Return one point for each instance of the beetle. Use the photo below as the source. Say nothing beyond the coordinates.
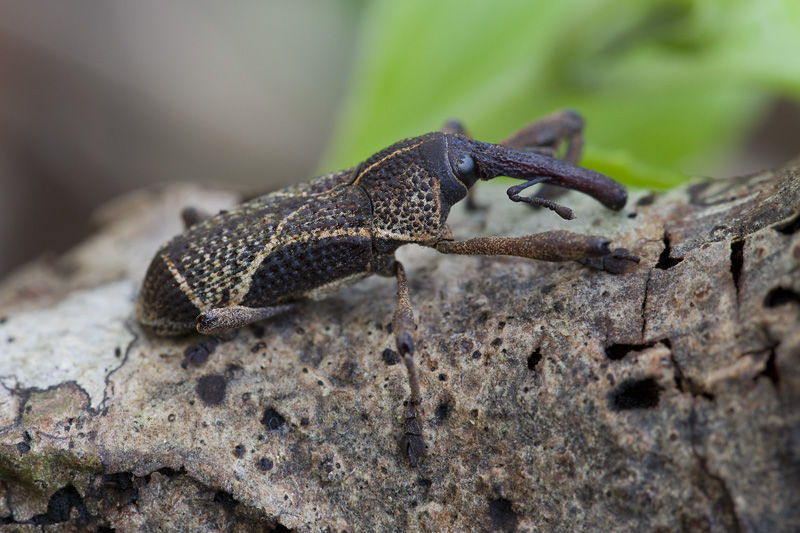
(256, 260)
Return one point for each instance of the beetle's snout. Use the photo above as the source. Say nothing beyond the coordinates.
(493, 160)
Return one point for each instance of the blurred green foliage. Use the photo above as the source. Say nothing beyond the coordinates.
(665, 85)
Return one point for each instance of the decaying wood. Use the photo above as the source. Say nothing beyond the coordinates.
(555, 397)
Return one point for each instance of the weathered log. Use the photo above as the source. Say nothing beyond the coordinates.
(555, 397)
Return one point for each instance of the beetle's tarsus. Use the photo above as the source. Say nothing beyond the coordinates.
(616, 261)
(411, 444)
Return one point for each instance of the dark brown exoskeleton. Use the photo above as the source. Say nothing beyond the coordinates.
(254, 261)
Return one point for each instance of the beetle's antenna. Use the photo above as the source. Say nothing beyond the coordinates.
(513, 193)
(494, 160)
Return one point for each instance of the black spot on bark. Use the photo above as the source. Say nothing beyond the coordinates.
(257, 347)
(171, 472)
(238, 451)
(781, 296)
(502, 515)
(636, 395)
(226, 500)
(615, 352)
(23, 447)
(197, 354)
(211, 389)
(60, 506)
(120, 480)
(534, 358)
(442, 411)
(273, 419)
(265, 464)
(390, 357)
(664, 260)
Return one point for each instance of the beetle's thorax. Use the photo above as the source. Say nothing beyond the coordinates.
(411, 186)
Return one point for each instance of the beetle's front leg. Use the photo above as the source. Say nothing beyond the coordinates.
(546, 246)
(411, 444)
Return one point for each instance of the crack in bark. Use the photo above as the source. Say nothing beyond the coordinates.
(725, 496)
(644, 303)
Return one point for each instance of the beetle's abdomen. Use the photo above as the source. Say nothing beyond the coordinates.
(300, 267)
(163, 306)
(261, 253)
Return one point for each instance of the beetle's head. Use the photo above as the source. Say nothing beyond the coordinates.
(473, 160)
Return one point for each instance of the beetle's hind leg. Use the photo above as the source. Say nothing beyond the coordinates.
(547, 246)
(192, 215)
(411, 444)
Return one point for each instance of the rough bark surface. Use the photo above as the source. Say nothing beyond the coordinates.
(554, 397)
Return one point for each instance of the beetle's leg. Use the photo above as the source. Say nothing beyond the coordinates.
(411, 444)
(454, 126)
(193, 215)
(546, 246)
(550, 132)
(222, 321)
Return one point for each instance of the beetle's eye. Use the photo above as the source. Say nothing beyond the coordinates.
(467, 170)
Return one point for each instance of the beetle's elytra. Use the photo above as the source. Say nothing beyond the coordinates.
(255, 260)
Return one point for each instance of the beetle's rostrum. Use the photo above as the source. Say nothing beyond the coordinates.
(259, 258)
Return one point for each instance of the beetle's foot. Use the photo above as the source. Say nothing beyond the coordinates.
(198, 353)
(411, 444)
(617, 261)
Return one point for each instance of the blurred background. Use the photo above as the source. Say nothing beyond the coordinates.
(100, 98)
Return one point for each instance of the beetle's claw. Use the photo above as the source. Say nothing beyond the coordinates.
(623, 254)
(616, 261)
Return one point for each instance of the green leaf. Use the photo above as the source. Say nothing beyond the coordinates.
(671, 84)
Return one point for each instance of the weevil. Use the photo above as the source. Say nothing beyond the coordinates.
(260, 258)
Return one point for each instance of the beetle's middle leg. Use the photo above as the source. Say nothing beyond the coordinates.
(411, 444)
(547, 246)
(550, 132)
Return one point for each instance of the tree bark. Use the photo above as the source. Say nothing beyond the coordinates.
(554, 396)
